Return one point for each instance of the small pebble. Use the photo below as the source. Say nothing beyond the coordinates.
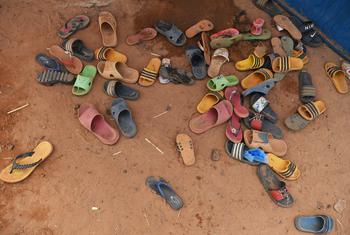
(94, 208)
(340, 206)
(215, 155)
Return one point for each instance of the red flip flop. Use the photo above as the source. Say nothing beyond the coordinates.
(234, 96)
(218, 114)
(92, 120)
(230, 32)
(234, 130)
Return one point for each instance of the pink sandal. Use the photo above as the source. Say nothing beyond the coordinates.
(257, 27)
(234, 96)
(234, 130)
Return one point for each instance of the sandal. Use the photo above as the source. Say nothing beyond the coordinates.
(73, 25)
(185, 147)
(174, 35)
(220, 57)
(260, 50)
(252, 62)
(257, 26)
(209, 100)
(109, 54)
(117, 89)
(83, 83)
(337, 76)
(122, 116)
(179, 76)
(256, 78)
(201, 26)
(78, 49)
(117, 70)
(233, 95)
(301, 55)
(236, 151)
(205, 47)
(265, 141)
(266, 35)
(277, 46)
(230, 32)
(286, 24)
(234, 130)
(224, 41)
(317, 224)
(51, 77)
(286, 64)
(196, 58)
(108, 28)
(221, 82)
(149, 74)
(71, 63)
(145, 34)
(258, 122)
(23, 165)
(49, 63)
(307, 91)
(287, 45)
(284, 168)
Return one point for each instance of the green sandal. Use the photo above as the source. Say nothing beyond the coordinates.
(84, 80)
(220, 82)
(224, 42)
(266, 35)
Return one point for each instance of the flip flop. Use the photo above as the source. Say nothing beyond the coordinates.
(266, 35)
(217, 115)
(197, 61)
(163, 189)
(236, 151)
(83, 83)
(122, 116)
(257, 26)
(284, 168)
(285, 23)
(318, 224)
(118, 89)
(277, 46)
(268, 6)
(337, 76)
(49, 63)
(201, 26)
(219, 58)
(149, 74)
(108, 29)
(265, 141)
(71, 63)
(234, 130)
(286, 64)
(185, 147)
(78, 49)
(145, 34)
(205, 47)
(23, 165)
(71, 26)
(233, 95)
(257, 122)
(117, 70)
(221, 82)
(165, 67)
(307, 91)
(209, 100)
(92, 120)
(256, 78)
(224, 41)
(174, 35)
(287, 45)
(51, 77)
(346, 69)
(252, 62)
(230, 32)
(109, 54)
(274, 187)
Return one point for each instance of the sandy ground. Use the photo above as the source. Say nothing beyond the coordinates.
(223, 197)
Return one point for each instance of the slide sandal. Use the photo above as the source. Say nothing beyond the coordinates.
(149, 74)
(252, 62)
(274, 187)
(23, 165)
(221, 82)
(184, 145)
(92, 120)
(145, 34)
(286, 64)
(287, 45)
(318, 224)
(268, 6)
(277, 46)
(83, 83)
(217, 115)
(224, 41)
(205, 47)
(71, 63)
(117, 89)
(122, 116)
(256, 78)
(201, 26)
(236, 151)
(257, 122)
(230, 32)
(285, 23)
(265, 141)
(109, 54)
(234, 130)
(163, 189)
(78, 49)
(209, 100)
(174, 35)
(108, 29)
(49, 63)
(51, 77)
(284, 168)
(117, 70)
(219, 58)
(234, 96)
(307, 91)
(266, 35)
(73, 25)
(197, 61)
(337, 76)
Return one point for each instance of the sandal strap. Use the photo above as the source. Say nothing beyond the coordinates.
(312, 109)
(290, 170)
(308, 90)
(69, 44)
(266, 74)
(17, 166)
(234, 130)
(101, 55)
(331, 71)
(148, 74)
(237, 150)
(110, 90)
(284, 64)
(257, 62)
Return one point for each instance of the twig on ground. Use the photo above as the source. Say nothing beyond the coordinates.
(145, 215)
(155, 54)
(178, 215)
(115, 154)
(155, 146)
(168, 108)
(17, 109)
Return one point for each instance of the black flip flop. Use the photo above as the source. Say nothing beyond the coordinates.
(310, 36)
(49, 63)
(268, 6)
(196, 58)
(174, 35)
(122, 115)
(179, 76)
(307, 91)
(78, 49)
(51, 77)
(163, 189)
(117, 89)
(266, 125)
(268, 113)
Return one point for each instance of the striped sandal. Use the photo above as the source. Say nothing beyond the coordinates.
(256, 78)
(236, 151)
(286, 64)
(109, 54)
(307, 91)
(301, 55)
(117, 89)
(284, 168)
(51, 77)
(252, 62)
(149, 74)
(337, 76)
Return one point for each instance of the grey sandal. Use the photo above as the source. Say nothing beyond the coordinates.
(122, 115)
(174, 35)
(307, 91)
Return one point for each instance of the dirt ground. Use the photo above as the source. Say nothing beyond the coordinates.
(223, 197)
